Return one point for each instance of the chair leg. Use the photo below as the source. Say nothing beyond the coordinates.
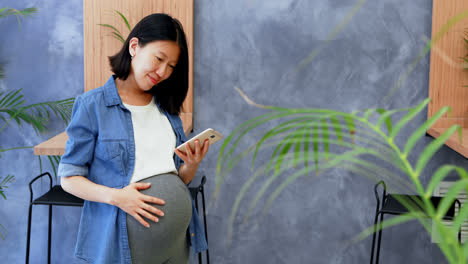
(28, 241)
(205, 225)
(379, 239)
(373, 236)
(196, 206)
(50, 233)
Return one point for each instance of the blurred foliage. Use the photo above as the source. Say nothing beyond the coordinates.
(13, 108)
(312, 141)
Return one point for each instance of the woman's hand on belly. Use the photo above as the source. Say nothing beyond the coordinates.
(136, 204)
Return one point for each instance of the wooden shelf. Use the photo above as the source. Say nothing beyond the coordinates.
(53, 146)
(447, 78)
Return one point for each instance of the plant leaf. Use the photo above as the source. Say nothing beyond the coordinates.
(435, 145)
(111, 27)
(387, 119)
(421, 131)
(410, 115)
(124, 19)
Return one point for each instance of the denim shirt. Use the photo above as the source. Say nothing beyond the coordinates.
(101, 147)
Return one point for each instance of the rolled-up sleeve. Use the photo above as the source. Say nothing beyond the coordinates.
(79, 149)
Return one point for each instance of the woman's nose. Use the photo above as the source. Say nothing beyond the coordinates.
(161, 71)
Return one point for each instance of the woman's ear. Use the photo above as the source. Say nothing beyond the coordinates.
(132, 47)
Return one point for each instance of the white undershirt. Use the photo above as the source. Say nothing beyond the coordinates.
(154, 141)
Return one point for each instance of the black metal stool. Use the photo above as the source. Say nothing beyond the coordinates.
(57, 196)
(391, 205)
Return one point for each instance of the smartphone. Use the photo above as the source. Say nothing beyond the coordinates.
(210, 134)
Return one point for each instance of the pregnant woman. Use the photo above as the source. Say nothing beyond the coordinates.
(121, 157)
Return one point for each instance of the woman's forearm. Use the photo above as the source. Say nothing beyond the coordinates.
(187, 173)
(85, 189)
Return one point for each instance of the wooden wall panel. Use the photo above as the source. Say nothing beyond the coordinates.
(99, 44)
(447, 77)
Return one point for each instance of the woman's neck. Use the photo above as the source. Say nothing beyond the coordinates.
(130, 93)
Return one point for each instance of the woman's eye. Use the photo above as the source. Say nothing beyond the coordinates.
(173, 67)
(159, 59)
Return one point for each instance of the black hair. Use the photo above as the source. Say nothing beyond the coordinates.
(170, 93)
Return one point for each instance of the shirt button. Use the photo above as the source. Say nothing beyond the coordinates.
(193, 234)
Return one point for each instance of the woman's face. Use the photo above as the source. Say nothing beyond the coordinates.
(153, 63)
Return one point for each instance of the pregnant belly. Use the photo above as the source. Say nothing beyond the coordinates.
(177, 213)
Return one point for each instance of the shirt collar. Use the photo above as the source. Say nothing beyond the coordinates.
(112, 97)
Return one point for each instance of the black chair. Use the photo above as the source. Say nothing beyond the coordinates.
(57, 196)
(389, 204)
(194, 191)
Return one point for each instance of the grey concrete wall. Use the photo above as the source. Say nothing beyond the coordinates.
(257, 46)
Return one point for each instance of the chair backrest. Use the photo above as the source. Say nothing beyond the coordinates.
(35, 179)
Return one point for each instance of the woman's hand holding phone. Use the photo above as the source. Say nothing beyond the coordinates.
(191, 157)
(191, 151)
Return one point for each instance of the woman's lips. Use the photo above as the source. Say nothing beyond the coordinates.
(154, 81)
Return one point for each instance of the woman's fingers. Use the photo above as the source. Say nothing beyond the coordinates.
(197, 148)
(141, 185)
(152, 199)
(206, 146)
(139, 219)
(188, 151)
(148, 215)
(181, 154)
(153, 210)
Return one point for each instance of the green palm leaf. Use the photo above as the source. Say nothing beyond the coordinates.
(334, 162)
(27, 12)
(111, 27)
(450, 197)
(124, 19)
(435, 145)
(408, 117)
(2, 72)
(396, 220)
(285, 141)
(387, 119)
(421, 131)
(116, 33)
(342, 140)
(4, 184)
(291, 124)
(37, 115)
(306, 148)
(440, 175)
